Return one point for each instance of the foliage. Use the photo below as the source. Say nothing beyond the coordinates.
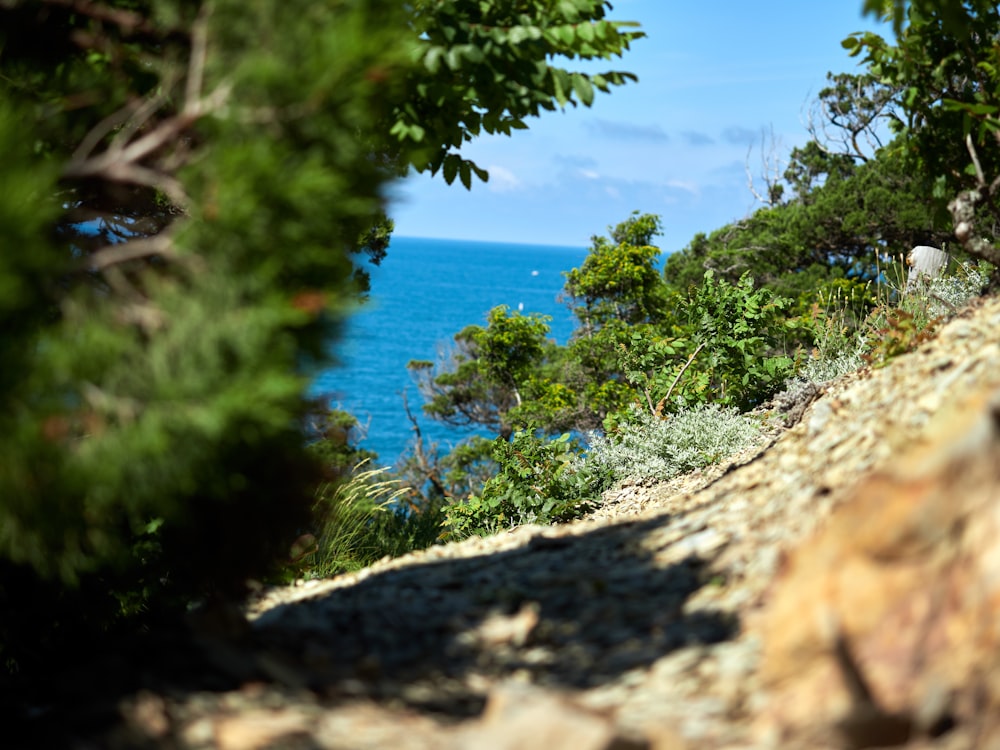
(151, 430)
(335, 436)
(651, 447)
(650, 363)
(913, 311)
(482, 381)
(487, 66)
(872, 323)
(841, 216)
(900, 333)
(947, 293)
(836, 322)
(538, 481)
(618, 280)
(741, 329)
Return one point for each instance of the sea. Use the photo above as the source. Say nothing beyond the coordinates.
(424, 292)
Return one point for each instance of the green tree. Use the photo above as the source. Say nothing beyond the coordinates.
(482, 382)
(840, 218)
(618, 280)
(182, 190)
(739, 329)
(488, 66)
(946, 65)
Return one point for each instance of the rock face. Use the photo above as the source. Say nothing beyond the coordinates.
(884, 627)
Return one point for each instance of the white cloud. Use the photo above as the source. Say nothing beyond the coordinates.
(502, 180)
(590, 174)
(688, 187)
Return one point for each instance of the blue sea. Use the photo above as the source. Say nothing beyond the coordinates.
(424, 292)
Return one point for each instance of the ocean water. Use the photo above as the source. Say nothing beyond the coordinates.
(424, 292)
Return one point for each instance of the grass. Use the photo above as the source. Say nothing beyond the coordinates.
(363, 519)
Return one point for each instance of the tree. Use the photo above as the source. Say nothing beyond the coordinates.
(183, 187)
(618, 280)
(483, 379)
(841, 218)
(946, 64)
(845, 118)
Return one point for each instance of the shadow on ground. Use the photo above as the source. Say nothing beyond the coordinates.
(565, 611)
(571, 611)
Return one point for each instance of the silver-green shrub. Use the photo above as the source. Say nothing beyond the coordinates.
(946, 294)
(650, 447)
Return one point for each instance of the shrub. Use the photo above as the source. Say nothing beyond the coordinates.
(741, 330)
(537, 481)
(836, 323)
(649, 447)
(898, 318)
(944, 295)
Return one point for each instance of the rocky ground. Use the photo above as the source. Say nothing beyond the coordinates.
(836, 587)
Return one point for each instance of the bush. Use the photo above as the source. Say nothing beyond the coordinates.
(852, 328)
(649, 447)
(156, 358)
(741, 330)
(836, 323)
(537, 481)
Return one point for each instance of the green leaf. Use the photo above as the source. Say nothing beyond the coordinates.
(432, 60)
(453, 57)
(583, 89)
(450, 167)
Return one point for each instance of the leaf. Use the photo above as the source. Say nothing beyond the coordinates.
(451, 162)
(432, 60)
(453, 58)
(583, 89)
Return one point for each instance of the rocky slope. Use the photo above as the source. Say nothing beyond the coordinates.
(837, 587)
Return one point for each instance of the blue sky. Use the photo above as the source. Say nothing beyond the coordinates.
(713, 79)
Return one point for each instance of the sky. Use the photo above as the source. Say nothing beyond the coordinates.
(715, 81)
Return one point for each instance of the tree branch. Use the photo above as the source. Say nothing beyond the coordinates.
(120, 161)
(146, 247)
(129, 22)
(659, 406)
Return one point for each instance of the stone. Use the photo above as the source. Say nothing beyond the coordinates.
(925, 263)
(523, 717)
(886, 624)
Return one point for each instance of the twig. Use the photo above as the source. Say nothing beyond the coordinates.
(120, 161)
(980, 177)
(196, 68)
(126, 20)
(101, 129)
(674, 384)
(649, 401)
